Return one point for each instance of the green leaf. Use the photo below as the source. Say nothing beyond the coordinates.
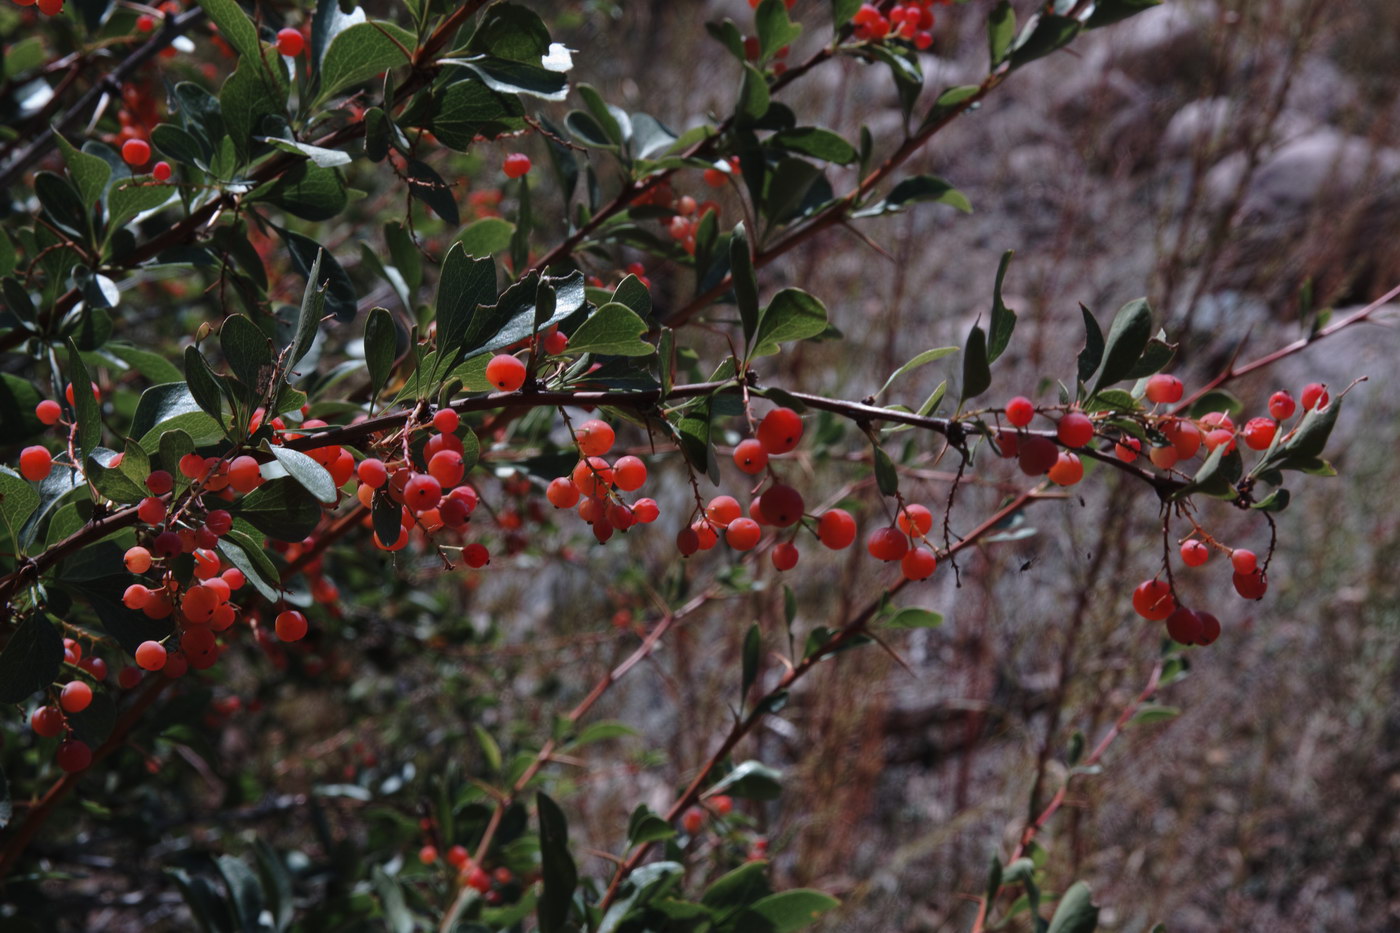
(18, 500)
(741, 887)
(751, 780)
(646, 826)
(792, 314)
(603, 117)
(614, 330)
(511, 77)
(753, 97)
(1043, 34)
(753, 645)
(509, 30)
(786, 911)
(1127, 338)
(557, 870)
(245, 895)
(977, 371)
(6, 806)
(744, 280)
(425, 184)
(324, 158)
(313, 306)
(247, 350)
(250, 557)
(90, 173)
(886, 478)
(464, 286)
(792, 184)
(950, 102)
(204, 384)
(361, 52)
(1108, 12)
(1001, 30)
(280, 508)
(393, 905)
(815, 142)
(341, 299)
(88, 414)
(1153, 713)
(469, 109)
(94, 724)
(31, 659)
(1092, 354)
(155, 367)
(308, 191)
(234, 26)
(486, 236)
(928, 356)
(61, 201)
(381, 347)
(313, 477)
(586, 129)
(775, 29)
(17, 400)
(916, 189)
(8, 257)
(632, 293)
(910, 617)
(1003, 318)
(1075, 913)
(255, 91)
(177, 144)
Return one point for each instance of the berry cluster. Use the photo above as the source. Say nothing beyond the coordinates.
(594, 485)
(912, 20)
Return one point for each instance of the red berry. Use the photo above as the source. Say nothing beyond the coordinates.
(887, 544)
(562, 493)
(145, 22)
(136, 152)
(629, 473)
(74, 754)
(555, 343)
(1210, 628)
(161, 171)
(476, 555)
(918, 564)
(422, 492)
(1259, 433)
(372, 472)
(290, 42)
(290, 625)
(150, 655)
(1075, 429)
(1068, 469)
(46, 722)
(692, 820)
(151, 510)
(1153, 600)
(646, 511)
(785, 556)
(1244, 561)
(35, 463)
(447, 467)
(594, 438)
(1282, 406)
(137, 559)
(743, 534)
(836, 529)
(1250, 585)
(780, 431)
(1314, 396)
(1163, 389)
(159, 482)
(1127, 449)
(1194, 553)
(244, 474)
(782, 505)
(48, 411)
(136, 596)
(1184, 626)
(516, 165)
(428, 855)
(218, 522)
(1218, 438)
(1184, 436)
(687, 541)
(446, 420)
(750, 456)
(1163, 458)
(707, 534)
(75, 697)
(1037, 455)
(914, 520)
(1020, 411)
(593, 476)
(505, 372)
(722, 510)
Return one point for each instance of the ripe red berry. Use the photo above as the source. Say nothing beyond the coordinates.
(137, 559)
(1075, 429)
(782, 505)
(447, 467)
(1127, 449)
(562, 493)
(47, 722)
(1164, 457)
(1244, 561)
(593, 476)
(145, 22)
(1250, 585)
(48, 411)
(476, 555)
(1220, 437)
(150, 655)
(914, 520)
(136, 152)
(218, 523)
(161, 171)
(1184, 626)
(1314, 396)
(1210, 628)
(1068, 469)
(428, 855)
(918, 564)
(887, 544)
(1282, 406)
(722, 510)
(151, 510)
(1194, 553)
(1259, 433)
(594, 438)
(780, 431)
(290, 625)
(629, 473)
(785, 556)
(1153, 600)
(1163, 389)
(555, 343)
(446, 420)
(75, 697)
(516, 165)
(1037, 455)
(505, 372)
(692, 820)
(687, 541)
(646, 511)
(750, 456)
(244, 474)
(422, 492)
(35, 463)
(372, 472)
(1020, 411)
(743, 534)
(159, 482)
(836, 529)
(1184, 436)
(290, 42)
(74, 754)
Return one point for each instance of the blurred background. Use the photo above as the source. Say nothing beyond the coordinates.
(1238, 164)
